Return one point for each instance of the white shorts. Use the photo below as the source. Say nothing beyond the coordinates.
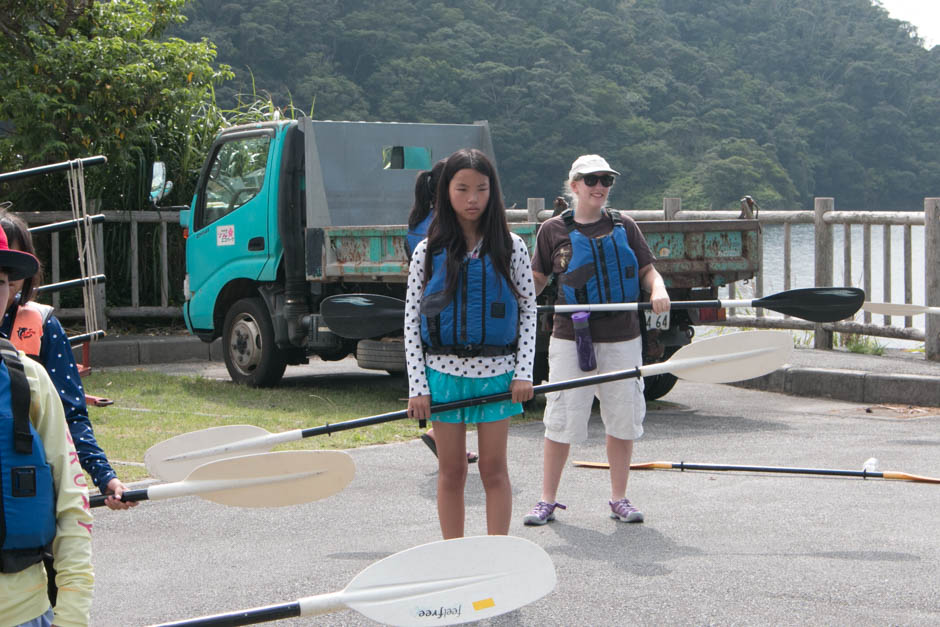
(623, 406)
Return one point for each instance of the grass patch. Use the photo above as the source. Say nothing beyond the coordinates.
(150, 407)
(864, 344)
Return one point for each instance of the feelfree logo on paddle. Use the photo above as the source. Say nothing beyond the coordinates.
(440, 612)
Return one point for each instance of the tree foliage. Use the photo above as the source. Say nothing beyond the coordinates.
(85, 77)
(780, 99)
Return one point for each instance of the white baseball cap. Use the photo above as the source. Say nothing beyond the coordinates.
(590, 164)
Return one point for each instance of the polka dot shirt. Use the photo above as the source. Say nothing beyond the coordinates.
(474, 367)
(56, 356)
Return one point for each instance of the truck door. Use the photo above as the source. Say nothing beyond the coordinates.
(229, 238)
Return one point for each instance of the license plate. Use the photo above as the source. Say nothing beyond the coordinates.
(655, 321)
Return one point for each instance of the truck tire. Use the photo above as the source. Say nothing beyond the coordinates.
(658, 385)
(376, 355)
(251, 356)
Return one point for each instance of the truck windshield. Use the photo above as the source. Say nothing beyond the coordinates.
(236, 175)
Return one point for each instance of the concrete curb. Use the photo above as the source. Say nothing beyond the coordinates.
(133, 351)
(857, 386)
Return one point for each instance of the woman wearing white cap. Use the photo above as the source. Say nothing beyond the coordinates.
(597, 255)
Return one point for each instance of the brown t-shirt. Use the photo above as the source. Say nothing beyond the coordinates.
(552, 253)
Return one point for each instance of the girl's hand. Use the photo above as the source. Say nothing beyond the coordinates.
(419, 407)
(521, 390)
(113, 500)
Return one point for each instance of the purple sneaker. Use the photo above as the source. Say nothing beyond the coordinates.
(542, 513)
(624, 511)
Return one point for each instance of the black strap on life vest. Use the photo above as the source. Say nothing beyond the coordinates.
(19, 395)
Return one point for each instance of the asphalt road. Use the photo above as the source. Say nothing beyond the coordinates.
(716, 548)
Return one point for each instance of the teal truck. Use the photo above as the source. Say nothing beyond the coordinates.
(287, 213)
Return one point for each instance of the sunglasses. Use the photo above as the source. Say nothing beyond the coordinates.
(592, 179)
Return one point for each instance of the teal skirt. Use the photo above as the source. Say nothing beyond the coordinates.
(448, 387)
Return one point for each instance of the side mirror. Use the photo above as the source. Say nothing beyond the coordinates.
(159, 186)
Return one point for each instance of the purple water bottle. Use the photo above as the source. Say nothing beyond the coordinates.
(582, 339)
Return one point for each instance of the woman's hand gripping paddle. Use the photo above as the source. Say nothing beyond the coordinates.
(442, 583)
(721, 359)
(263, 480)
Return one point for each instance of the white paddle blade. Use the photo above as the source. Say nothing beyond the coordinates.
(450, 582)
(160, 461)
(898, 309)
(273, 479)
(732, 357)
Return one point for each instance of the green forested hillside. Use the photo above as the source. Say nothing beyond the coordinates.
(707, 100)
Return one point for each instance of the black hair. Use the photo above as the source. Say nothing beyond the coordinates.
(446, 233)
(17, 232)
(425, 189)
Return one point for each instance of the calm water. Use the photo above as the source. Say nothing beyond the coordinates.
(802, 272)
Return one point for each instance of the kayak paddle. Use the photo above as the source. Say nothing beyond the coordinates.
(369, 315)
(898, 309)
(682, 466)
(441, 583)
(263, 480)
(721, 359)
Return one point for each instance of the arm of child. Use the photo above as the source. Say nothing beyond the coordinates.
(56, 355)
(419, 394)
(521, 268)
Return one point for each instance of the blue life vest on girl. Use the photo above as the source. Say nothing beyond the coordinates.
(28, 521)
(418, 233)
(481, 318)
(601, 270)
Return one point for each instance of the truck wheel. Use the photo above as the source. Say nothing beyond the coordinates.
(658, 385)
(251, 356)
(376, 355)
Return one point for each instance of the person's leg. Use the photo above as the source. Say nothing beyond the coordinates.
(554, 456)
(566, 417)
(623, 409)
(619, 453)
(494, 472)
(451, 441)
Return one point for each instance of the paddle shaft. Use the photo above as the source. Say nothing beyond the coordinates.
(200, 486)
(437, 408)
(243, 617)
(129, 496)
(681, 304)
(832, 472)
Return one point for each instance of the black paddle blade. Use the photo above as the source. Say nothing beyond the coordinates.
(816, 304)
(360, 316)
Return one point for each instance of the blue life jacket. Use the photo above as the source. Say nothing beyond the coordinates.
(27, 507)
(481, 318)
(601, 270)
(418, 233)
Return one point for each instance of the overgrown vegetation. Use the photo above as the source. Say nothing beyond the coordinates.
(703, 100)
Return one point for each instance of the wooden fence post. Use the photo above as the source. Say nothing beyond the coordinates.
(534, 206)
(671, 206)
(99, 290)
(823, 264)
(932, 276)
